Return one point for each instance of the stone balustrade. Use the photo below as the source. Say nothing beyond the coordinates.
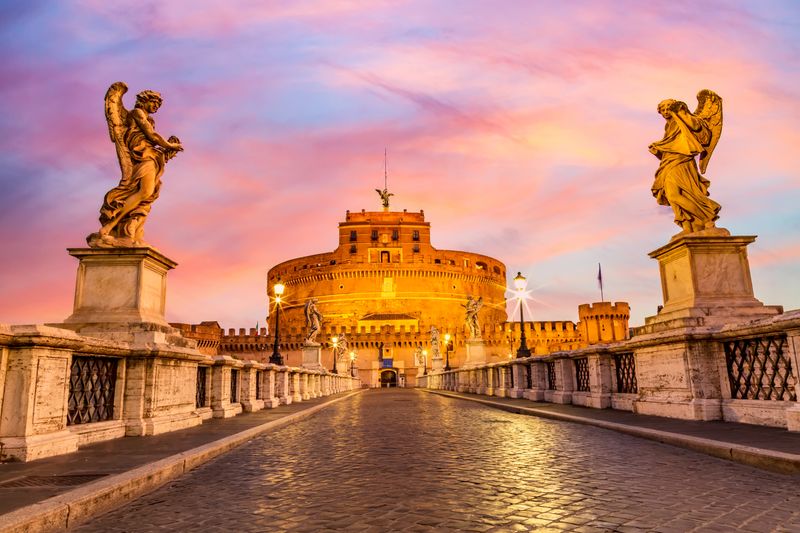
(745, 372)
(60, 390)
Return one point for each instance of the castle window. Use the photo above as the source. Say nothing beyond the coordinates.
(415, 235)
(466, 263)
(385, 257)
(374, 235)
(353, 236)
(496, 270)
(395, 234)
(333, 261)
(437, 261)
(352, 248)
(480, 265)
(415, 249)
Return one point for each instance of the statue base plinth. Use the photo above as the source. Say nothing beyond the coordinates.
(705, 280)
(312, 356)
(437, 364)
(120, 286)
(476, 353)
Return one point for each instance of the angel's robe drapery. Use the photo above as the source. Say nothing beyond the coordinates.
(681, 143)
(148, 164)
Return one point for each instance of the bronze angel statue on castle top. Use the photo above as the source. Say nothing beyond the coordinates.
(679, 182)
(142, 155)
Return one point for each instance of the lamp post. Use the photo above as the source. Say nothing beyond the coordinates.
(520, 283)
(352, 363)
(276, 358)
(425, 362)
(447, 347)
(335, 341)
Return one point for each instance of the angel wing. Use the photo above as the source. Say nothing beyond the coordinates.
(117, 116)
(709, 109)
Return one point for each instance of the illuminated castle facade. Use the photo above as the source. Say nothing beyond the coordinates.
(384, 287)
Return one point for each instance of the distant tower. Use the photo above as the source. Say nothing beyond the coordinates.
(603, 322)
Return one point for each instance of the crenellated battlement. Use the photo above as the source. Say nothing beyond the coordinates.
(602, 322)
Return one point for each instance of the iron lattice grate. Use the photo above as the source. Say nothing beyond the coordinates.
(91, 389)
(760, 369)
(551, 375)
(625, 364)
(234, 386)
(582, 374)
(200, 391)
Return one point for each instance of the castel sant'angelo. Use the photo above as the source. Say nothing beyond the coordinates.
(389, 292)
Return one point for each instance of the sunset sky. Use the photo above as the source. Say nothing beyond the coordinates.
(521, 128)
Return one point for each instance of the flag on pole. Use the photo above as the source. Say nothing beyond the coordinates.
(600, 281)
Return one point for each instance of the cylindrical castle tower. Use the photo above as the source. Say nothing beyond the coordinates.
(386, 283)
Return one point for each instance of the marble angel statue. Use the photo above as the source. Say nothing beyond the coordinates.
(689, 139)
(142, 155)
(313, 320)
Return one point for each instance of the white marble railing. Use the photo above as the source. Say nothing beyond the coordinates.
(60, 390)
(741, 372)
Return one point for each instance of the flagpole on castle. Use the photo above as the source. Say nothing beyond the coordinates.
(600, 281)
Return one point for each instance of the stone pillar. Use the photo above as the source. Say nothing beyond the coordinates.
(222, 405)
(312, 356)
(565, 382)
(500, 378)
(793, 413)
(249, 376)
(269, 386)
(476, 353)
(538, 372)
(305, 389)
(294, 386)
(519, 381)
(34, 412)
(599, 381)
(283, 386)
(490, 384)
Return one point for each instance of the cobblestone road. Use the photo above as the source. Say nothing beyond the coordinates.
(403, 460)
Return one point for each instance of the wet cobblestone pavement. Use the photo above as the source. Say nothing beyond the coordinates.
(405, 460)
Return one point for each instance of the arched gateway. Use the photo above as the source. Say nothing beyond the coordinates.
(388, 378)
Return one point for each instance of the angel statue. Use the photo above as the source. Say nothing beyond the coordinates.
(142, 154)
(313, 320)
(472, 307)
(341, 347)
(385, 194)
(435, 353)
(679, 183)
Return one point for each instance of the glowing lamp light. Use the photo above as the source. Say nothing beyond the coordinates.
(335, 341)
(520, 283)
(352, 356)
(447, 338)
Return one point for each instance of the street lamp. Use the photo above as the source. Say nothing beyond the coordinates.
(276, 358)
(447, 347)
(520, 283)
(425, 362)
(335, 341)
(352, 363)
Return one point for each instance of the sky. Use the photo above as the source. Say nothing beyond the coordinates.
(520, 127)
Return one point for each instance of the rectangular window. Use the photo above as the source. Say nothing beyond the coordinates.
(353, 236)
(353, 249)
(415, 235)
(415, 248)
(384, 257)
(395, 234)
(374, 235)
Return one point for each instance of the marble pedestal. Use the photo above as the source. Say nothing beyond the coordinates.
(705, 280)
(120, 286)
(476, 353)
(437, 364)
(312, 356)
